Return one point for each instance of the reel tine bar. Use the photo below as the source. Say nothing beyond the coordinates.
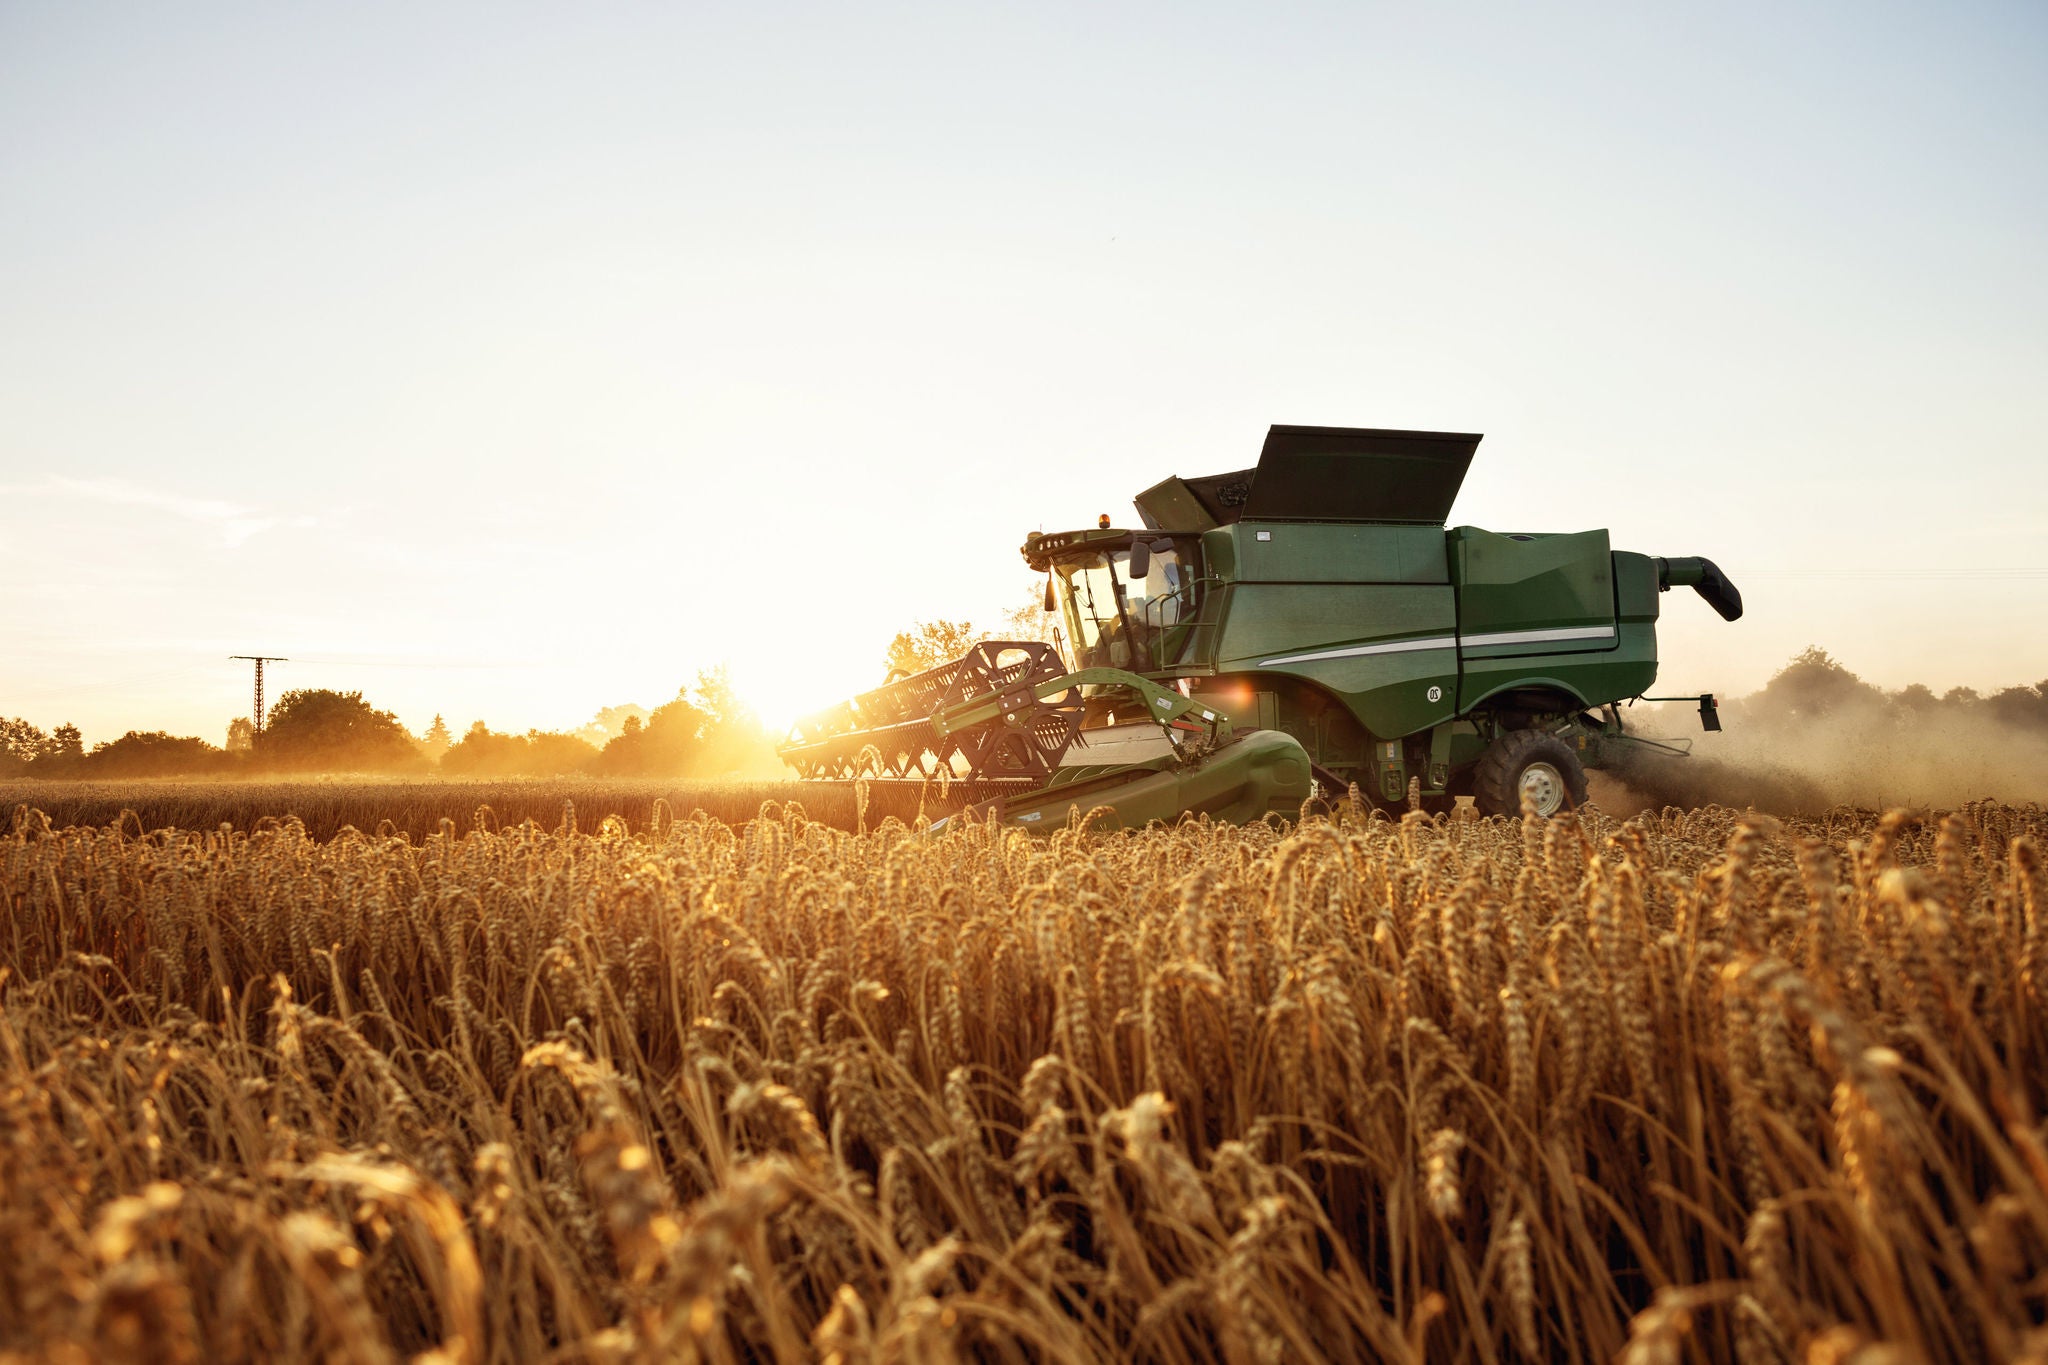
(889, 734)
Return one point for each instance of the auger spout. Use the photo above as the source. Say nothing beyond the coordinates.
(1704, 577)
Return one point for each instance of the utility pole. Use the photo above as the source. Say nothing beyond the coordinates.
(260, 660)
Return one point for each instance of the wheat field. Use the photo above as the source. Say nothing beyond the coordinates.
(327, 805)
(1696, 1087)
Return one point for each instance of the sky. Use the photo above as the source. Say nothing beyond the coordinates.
(511, 361)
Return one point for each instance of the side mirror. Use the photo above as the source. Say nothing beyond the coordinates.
(1141, 560)
(1048, 593)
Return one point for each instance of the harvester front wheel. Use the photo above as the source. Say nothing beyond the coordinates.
(1533, 763)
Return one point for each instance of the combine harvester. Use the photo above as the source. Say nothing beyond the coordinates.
(1306, 625)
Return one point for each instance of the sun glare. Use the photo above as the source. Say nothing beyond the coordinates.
(781, 696)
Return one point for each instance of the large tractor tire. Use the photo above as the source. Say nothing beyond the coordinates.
(1529, 761)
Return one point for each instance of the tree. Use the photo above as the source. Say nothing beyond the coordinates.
(2020, 708)
(241, 735)
(1916, 697)
(929, 644)
(550, 753)
(434, 743)
(155, 754)
(1812, 685)
(314, 729)
(666, 745)
(608, 724)
(26, 751)
(1030, 620)
(20, 745)
(483, 752)
(62, 752)
(732, 740)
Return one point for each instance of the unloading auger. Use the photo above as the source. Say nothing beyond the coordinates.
(1308, 623)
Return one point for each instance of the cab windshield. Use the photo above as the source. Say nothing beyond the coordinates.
(1115, 623)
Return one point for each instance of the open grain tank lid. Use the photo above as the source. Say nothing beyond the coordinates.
(1354, 474)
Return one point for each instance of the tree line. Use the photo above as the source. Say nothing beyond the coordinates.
(1815, 686)
(705, 732)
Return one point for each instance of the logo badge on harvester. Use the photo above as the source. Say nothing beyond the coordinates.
(1436, 694)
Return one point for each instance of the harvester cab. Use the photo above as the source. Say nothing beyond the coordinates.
(1308, 623)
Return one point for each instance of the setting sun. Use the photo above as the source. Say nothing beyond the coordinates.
(780, 696)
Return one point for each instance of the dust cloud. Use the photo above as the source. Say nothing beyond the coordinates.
(1793, 750)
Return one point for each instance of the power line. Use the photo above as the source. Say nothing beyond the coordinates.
(260, 660)
(495, 664)
(1931, 575)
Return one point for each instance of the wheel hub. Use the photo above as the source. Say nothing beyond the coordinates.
(1543, 786)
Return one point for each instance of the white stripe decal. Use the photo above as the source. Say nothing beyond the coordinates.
(1502, 637)
(1516, 637)
(1354, 651)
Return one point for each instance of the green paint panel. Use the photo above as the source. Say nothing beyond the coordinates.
(1263, 773)
(1635, 586)
(1268, 626)
(1626, 670)
(1307, 552)
(1510, 583)
(1219, 553)
(1174, 505)
(1390, 693)
(1261, 620)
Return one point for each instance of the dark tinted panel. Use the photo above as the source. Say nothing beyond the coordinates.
(1358, 474)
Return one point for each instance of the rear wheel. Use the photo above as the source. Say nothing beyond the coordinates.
(1539, 765)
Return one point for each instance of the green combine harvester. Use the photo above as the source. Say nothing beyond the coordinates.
(1281, 632)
